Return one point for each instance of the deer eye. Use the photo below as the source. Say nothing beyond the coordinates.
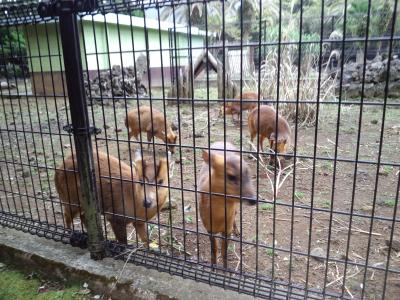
(160, 181)
(232, 178)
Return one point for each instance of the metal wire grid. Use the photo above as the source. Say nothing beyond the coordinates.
(258, 285)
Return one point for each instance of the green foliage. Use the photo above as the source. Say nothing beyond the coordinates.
(390, 202)
(326, 204)
(299, 195)
(14, 285)
(328, 166)
(12, 52)
(386, 170)
(12, 41)
(270, 252)
(137, 13)
(267, 206)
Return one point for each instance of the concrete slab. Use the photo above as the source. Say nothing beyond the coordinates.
(65, 262)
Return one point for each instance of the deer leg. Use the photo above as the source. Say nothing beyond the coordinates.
(252, 136)
(214, 250)
(272, 156)
(141, 231)
(68, 217)
(236, 231)
(233, 119)
(224, 250)
(261, 143)
(119, 228)
(130, 135)
(70, 213)
(83, 219)
(149, 137)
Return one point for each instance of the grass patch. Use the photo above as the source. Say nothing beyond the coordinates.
(299, 195)
(203, 93)
(270, 252)
(267, 206)
(328, 166)
(16, 285)
(189, 219)
(326, 204)
(390, 202)
(386, 170)
(348, 130)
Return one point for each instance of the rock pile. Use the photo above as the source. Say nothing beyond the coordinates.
(117, 82)
(375, 78)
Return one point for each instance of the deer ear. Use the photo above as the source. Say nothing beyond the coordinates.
(140, 166)
(213, 159)
(162, 170)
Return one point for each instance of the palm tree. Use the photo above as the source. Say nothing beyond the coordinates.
(181, 13)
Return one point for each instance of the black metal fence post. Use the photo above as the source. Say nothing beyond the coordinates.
(82, 132)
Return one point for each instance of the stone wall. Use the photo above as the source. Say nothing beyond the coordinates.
(117, 82)
(376, 72)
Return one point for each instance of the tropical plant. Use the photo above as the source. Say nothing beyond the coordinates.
(12, 52)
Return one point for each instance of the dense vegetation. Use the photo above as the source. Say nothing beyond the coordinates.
(246, 14)
(12, 52)
(280, 20)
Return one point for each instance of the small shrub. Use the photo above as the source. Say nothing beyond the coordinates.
(390, 202)
(327, 166)
(386, 170)
(326, 204)
(267, 206)
(311, 86)
(270, 252)
(299, 195)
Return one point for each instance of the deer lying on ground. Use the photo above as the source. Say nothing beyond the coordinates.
(268, 129)
(117, 193)
(155, 128)
(249, 102)
(212, 211)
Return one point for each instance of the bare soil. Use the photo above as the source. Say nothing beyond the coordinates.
(276, 237)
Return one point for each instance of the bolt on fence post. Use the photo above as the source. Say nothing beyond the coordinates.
(80, 121)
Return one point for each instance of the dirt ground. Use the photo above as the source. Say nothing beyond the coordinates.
(32, 146)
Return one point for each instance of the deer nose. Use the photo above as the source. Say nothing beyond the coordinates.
(252, 200)
(147, 203)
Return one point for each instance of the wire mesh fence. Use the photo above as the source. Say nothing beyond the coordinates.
(252, 145)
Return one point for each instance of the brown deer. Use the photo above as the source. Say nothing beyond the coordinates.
(249, 102)
(268, 129)
(118, 194)
(155, 128)
(212, 208)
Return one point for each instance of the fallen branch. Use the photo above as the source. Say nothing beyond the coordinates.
(281, 219)
(366, 232)
(279, 181)
(348, 291)
(339, 279)
(131, 252)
